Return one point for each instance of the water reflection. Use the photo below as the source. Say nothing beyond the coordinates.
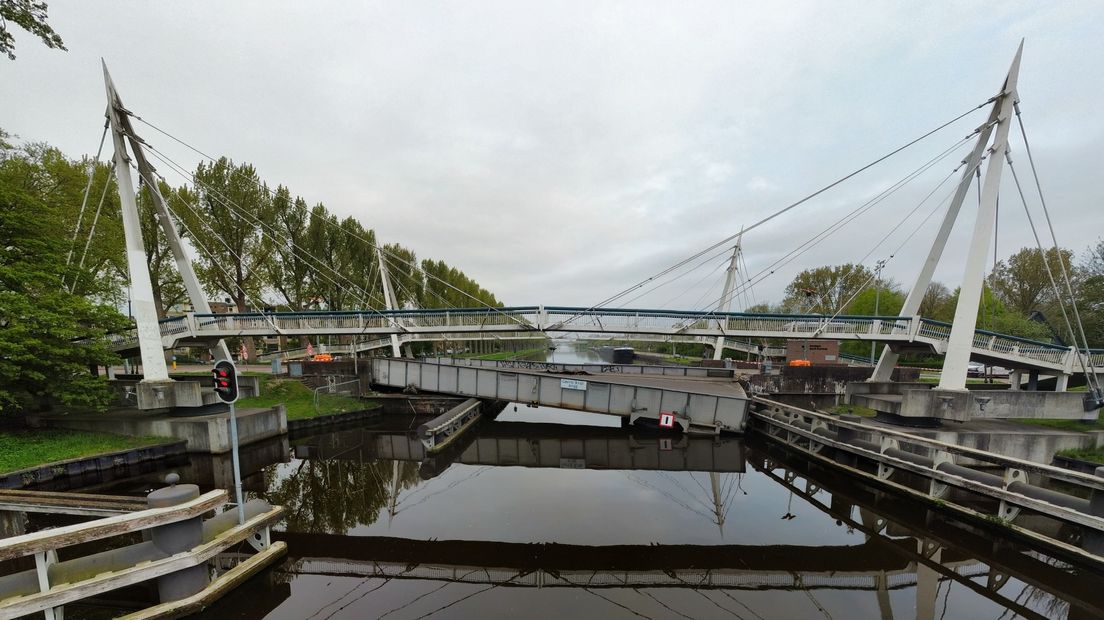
(510, 525)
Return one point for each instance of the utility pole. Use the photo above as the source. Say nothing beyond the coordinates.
(877, 295)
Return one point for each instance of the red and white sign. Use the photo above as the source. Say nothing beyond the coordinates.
(666, 420)
(310, 349)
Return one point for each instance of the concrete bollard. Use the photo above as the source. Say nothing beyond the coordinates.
(177, 537)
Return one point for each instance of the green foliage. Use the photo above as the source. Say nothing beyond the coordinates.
(334, 495)
(1090, 304)
(40, 320)
(28, 448)
(298, 399)
(1093, 263)
(1092, 455)
(1021, 282)
(30, 16)
(447, 286)
(825, 290)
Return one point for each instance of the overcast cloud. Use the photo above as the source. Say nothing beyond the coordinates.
(559, 152)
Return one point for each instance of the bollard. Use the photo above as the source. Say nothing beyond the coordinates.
(177, 537)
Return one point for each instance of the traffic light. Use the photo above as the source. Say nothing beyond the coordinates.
(226, 381)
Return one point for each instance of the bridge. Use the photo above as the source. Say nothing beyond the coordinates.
(718, 325)
(459, 324)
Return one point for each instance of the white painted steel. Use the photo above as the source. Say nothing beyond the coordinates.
(142, 306)
(703, 410)
(963, 338)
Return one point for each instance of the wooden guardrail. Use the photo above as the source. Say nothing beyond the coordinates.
(53, 584)
(68, 503)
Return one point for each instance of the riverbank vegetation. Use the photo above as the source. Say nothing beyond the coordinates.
(64, 274)
(300, 401)
(30, 447)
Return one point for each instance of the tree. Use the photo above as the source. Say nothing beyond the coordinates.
(1090, 304)
(41, 323)
(824, 290)
(937, 303)
(168, 287)
(406, 278)
(290, 265)
(1021, 281)
(30, 16)
(1093, 264)
(47, 175)
(223, 225)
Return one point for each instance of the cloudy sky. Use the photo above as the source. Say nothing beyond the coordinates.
(560, 152)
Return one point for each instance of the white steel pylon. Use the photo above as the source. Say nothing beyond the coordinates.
(389, 299)
(145, 313)
(725, 303)
(965, 322)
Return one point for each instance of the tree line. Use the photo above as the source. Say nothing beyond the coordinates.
(62, 250)
(1017, 299)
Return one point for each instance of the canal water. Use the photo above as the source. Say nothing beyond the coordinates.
(546, 513)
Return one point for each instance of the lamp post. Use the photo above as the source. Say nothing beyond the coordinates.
(877, 298)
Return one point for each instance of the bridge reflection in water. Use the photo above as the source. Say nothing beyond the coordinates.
(377, 528)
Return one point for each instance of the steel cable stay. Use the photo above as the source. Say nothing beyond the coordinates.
(885, 261)
(92, 229)
(272, 234)
(1098, 394)
(833, 228)
(211, 255)
(263, 226)
(371, 244)
(664, 605)
(787, 208)
(87, 190)
(828, 231)
(1090, 377)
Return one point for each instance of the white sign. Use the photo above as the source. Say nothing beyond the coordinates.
(572, 384)
(665, 443)
(667, 420)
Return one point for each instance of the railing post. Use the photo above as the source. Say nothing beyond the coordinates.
(178, 537)
(43, 561)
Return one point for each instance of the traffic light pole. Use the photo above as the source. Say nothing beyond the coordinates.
(236, 463)
(225, 375)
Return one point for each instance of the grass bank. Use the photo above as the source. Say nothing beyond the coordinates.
(1093, 455)
(1065, 425)
(298, 399)
(27, 448)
